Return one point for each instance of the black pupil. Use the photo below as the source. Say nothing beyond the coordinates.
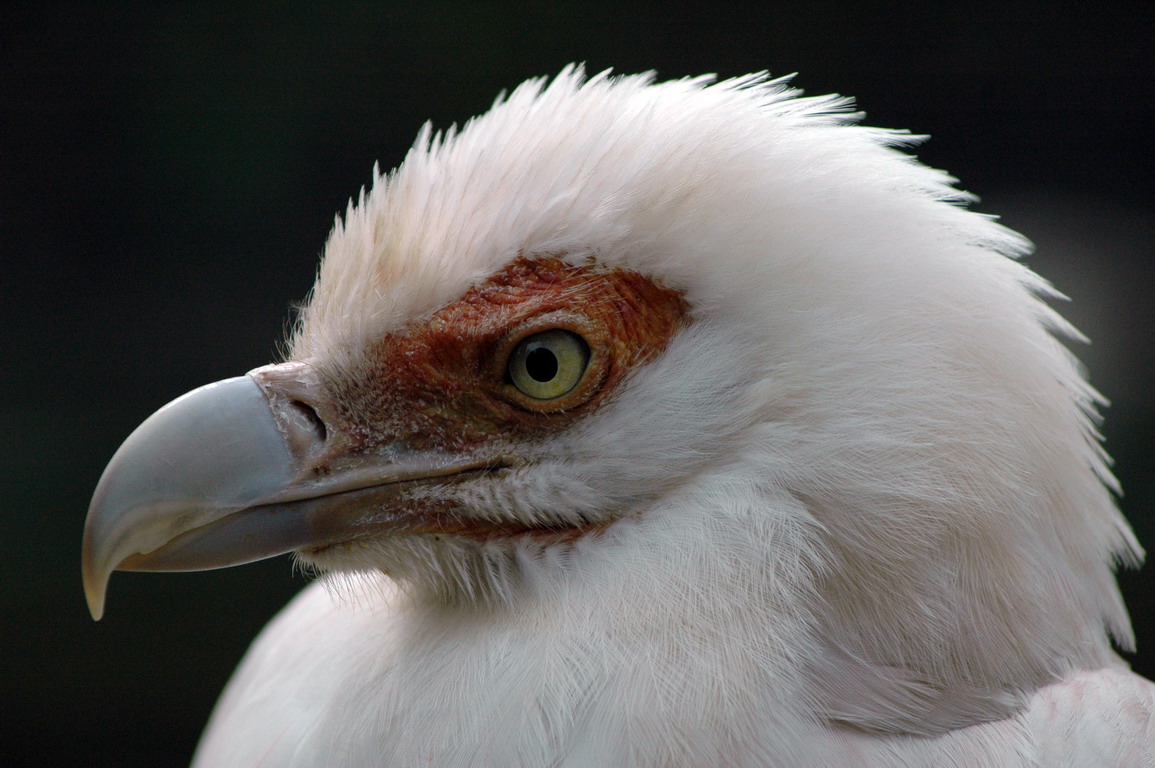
(541, 364)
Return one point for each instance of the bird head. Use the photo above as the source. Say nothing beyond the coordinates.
(700, 344)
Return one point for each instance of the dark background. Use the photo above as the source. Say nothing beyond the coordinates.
(168, 177)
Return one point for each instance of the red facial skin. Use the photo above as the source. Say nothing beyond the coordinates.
(440, 385)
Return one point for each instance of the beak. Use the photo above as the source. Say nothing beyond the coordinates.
(241, 470)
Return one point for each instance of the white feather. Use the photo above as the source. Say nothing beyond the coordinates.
(868, 518)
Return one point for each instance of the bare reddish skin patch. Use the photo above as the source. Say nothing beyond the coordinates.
(441, 383)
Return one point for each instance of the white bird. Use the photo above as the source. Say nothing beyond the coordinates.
(658, 424)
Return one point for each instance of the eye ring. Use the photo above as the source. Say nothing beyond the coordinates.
(548, 365)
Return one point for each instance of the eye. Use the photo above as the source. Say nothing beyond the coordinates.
(549, 364)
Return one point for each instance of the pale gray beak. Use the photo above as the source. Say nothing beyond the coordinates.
(228, 474)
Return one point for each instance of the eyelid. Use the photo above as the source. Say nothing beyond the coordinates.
(562, 320)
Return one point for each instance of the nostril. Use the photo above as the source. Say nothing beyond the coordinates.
(311, 419)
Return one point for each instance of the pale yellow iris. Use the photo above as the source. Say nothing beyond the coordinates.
(549, 364)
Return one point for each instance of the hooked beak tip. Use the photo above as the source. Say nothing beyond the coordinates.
(186, 465)
(95, 589)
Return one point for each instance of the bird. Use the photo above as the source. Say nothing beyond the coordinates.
(658, 423)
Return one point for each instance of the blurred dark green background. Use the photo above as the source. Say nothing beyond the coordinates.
(169, 172)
